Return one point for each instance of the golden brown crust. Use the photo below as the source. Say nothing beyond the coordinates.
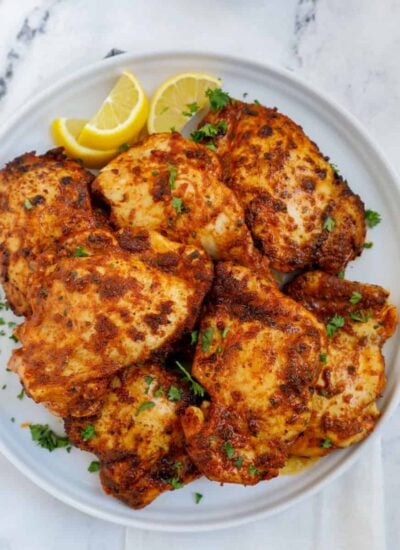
(258, 358)
(353, 376)
(142, 450)
(142, 184)
(43, 199)
(96, 313)
(288, 190)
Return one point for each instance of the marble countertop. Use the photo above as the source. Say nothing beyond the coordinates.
(349, 49)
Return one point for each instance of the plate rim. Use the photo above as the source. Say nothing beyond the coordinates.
(356, 128)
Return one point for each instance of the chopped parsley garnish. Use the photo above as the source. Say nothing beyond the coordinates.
(372, 218)
(159, 391)
(336, 322)
(368, 245)
(12, 419)
(172, 175)
(88, 432)
(229, 450)
(12, 337)
(194, 335)
(224, 333)
(123, 147)
(3, 387)
(80, 252)
(175, 482)
(46, 438)
(245, 94)
(2, 332)
(253, 470)
(21, 394)
(11, 324)
(195, 386)
(213, 438)
(94, 466)
(218, 98)
(177, 204)
(323, 358)
(329, 224)
(206, 339)
(238, 462)
(361, 316)
(28, 205)
(192, 109)
(256, 102)
(209, 131)
(2, 321)
(211, 146)
(148, 379)
(155, 173)
(355, 298)
(326, 443)
(144, 406)
(172, 129)
(197, 497)
(341, 274)
(335, 169)
(177, 465)
(174, 394)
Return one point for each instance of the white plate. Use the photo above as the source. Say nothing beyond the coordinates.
(339, 135)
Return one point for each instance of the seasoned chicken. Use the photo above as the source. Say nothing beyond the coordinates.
(98, 307)
(258, 357)
(137, 435)
(301, 212)
(359, 320)
(172, 185)
(42, 200)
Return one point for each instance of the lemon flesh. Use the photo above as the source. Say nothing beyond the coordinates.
(120, 118)
(177, 99)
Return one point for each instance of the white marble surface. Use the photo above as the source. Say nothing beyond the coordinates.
(349, 49)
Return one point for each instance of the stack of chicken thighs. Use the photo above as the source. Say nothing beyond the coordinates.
(164, 260)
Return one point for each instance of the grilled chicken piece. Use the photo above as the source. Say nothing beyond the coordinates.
(137, 435)
(172, 185)
(344, 407)
(98, 308)
(258, 359)
(42, 200)
(300, 211)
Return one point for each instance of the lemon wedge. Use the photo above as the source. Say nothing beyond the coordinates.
(65, 132)
(120, 118)
(178, 99)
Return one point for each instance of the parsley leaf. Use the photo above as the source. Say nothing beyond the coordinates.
(195, 386)
(372, 218)
(253, 470)
(192, 109)
(323, 358)
(355, 298)
(177, 204)
(124, 147)
(224, 333)
(174, 394)
(368, 245)
(329, 224)
(28, 205)
(326, 443)
(175, 482)
(21, 394)
(256, 102)
(88, 432)
(80, 252)
(336, 322)
(94, 466)
(341, 274)
(238, 462)
(159, 391)
(172, 175)
(197, 497)
(206, 339)
(148, 379)
(229, 450)
(194, 337)
(145, 405)
(218, 98)
(361, 316)
(209, 131)
(46, 438)
(155, 173)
